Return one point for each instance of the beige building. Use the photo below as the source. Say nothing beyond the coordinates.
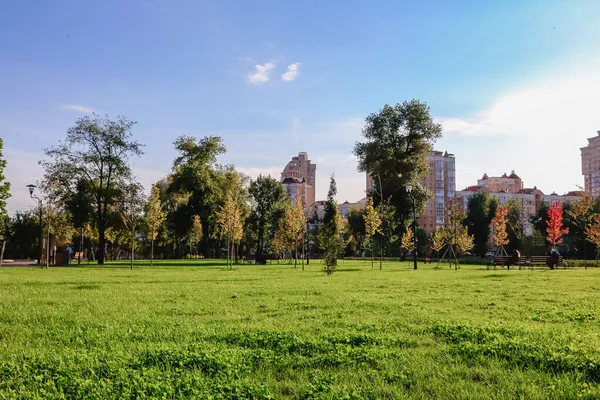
(508, 183)
(298, 178)
(590, 166)
(441, 182)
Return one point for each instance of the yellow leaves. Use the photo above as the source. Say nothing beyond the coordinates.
(592, 231)
(372, 219)
(229, 219)
(407, 241)
(437, 239)
(155, 216)
(500, 235)
(196, 232)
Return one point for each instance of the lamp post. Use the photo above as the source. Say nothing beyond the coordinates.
(39, 200)
(409, 190)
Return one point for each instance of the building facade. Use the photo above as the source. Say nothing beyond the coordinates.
(441, 182)
(299, 177)
(590, 166)
(508, 183)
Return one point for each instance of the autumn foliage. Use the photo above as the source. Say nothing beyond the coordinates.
(499, 223)
(555, 231)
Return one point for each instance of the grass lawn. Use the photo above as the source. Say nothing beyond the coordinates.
(195, 329)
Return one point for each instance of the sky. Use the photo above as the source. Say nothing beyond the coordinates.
(515, 85)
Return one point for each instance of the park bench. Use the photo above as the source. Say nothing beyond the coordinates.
(507, 261)
(543, 260)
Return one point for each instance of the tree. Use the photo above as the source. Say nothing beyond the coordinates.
(294, 224)
(582, 213)
(268, 205)
(372, 224)
(329, 236)
(4, 195)
(407, 241)
(480, 211)
(95, 151)
(455, 232)
(438, 240)
(514, 222)
(131, 208)
(155, 217)
(196, 231)
(80, 205)
(555, 231)
(230, 223)
(356, 229)
(394, 153)
(592, 231)
(500, 236)
(196, 186)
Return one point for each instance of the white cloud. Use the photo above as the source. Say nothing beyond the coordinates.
(536, 130)
(291, 73)
(77, 107)
(261, 75)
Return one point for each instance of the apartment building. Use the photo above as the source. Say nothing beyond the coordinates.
(590, 166)
(441, 182)
(298, 179)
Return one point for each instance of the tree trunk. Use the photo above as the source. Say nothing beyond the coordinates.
(132, 247)
(2, 254)
(151, 251)
(101, 242)
(372, 252)
(380, 255)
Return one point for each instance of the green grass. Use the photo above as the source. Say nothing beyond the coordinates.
(195, 329)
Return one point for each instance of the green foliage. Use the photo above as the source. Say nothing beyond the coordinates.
(330, 235)
(397, 140)
(268, 207)
(480, 211)
(4, 190)
(93, 157)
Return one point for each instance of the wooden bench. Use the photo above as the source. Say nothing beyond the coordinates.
(507, 261)
(543, 260)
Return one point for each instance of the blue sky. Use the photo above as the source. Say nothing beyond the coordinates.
(515, 84)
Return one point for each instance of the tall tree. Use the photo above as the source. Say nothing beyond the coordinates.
(131, 208)
(268, 204)
(480, 211)
(330, 239)
(295, 226)
(514, 223)
(398, 139)
(372, 224)
(555, 230)
(195, 184)
(4, 195)
(96, 151)
(80, 205)
(155, 217)
(230, 222)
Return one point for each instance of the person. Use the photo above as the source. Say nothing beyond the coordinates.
(553, 259)
(70, 251)
(516, 257)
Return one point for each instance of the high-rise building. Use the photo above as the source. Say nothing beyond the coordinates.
(441, 182)
(298, 178)
(590, 166)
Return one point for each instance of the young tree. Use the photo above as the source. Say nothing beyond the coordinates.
(394, 154)
(514, 222)
(230, 222)
(555, 231)
(500, 236)
(196, 231)
(131, 208)
(95, 151)
(372, 224)
(4, 195)
(438, 240)
(294, 224)
(582, 213)
(456, 234)
(155, 217)
(592, 232)
(329, 236)
(408, 240)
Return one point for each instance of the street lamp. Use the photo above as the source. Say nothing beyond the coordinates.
(409, 190)
(39, 200)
